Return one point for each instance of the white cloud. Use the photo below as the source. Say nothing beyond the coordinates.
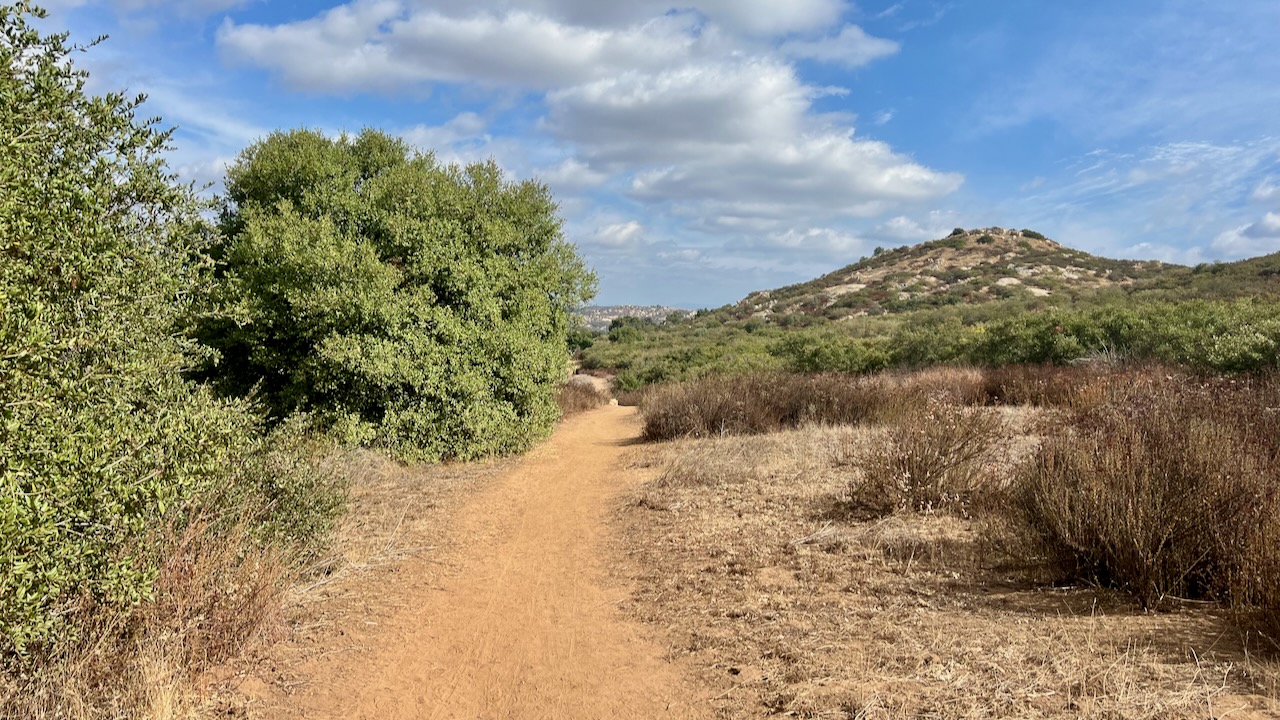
(1258, 238)
(379, 45)
(1184, 190)
(852, 48)
(902, 229)
(685, 108)
(466, 127)
(829, 241)
(1267, 191)
(621, 234)
(755, 17)
(1266, 228)
(906, 230)
(662, 117)
(572, 174)
(831, 172)
(737, 139)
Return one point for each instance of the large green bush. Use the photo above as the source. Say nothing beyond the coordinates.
(402, 303)
(1241, 336)
(103, 443)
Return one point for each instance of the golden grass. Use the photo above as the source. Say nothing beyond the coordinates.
(214, 598)
(577, 396)
(742, 549)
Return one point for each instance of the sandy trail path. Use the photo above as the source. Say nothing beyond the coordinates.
(527, 626)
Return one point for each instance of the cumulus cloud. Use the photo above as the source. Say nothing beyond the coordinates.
(662, 116)
(829, 241)
(1258, 238)
(572, 174)
(464, 127)
(677, 105)
(754, 17)
(621, 234)
(379, 45)
(742, 137)
(852, 48)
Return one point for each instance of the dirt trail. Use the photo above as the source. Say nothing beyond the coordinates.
(527, 626)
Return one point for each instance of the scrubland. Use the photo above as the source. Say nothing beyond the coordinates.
(1035, 541)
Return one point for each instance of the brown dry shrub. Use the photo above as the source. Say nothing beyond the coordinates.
(632, 398)
(1167, 494)
(217, 590)
(574, 398)
(1043, 385)
(957, 385)
(932, 459)
(764, 403)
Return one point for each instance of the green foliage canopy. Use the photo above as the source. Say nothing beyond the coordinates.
(403, 303)
(102, 440)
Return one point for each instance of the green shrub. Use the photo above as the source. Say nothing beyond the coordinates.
(1033, 235)
(812, 353)
(102, 440)
(579, 339)
(920, 344)
(401, 303)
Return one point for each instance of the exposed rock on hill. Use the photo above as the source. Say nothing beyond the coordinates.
(970, 266)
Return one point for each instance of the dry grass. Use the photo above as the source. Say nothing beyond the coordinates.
(216, 593)
(743, 551)
(769, 402)
(575, 397)
(1042, 385)
(220, 607)
(932, 459)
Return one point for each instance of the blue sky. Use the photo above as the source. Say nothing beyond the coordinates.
(704, 150)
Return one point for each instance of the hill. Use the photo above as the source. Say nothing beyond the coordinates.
(986, 297)
(995, 264)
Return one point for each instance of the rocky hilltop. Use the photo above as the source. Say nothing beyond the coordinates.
(969, 266)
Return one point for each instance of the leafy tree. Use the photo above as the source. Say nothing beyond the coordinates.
(101, 438)
(580, 339)
(403, 303)
(629, 328)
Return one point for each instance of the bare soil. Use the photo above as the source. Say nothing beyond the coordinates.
(489, 597)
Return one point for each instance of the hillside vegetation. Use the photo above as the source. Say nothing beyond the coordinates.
(995, 264)
(984, 297)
